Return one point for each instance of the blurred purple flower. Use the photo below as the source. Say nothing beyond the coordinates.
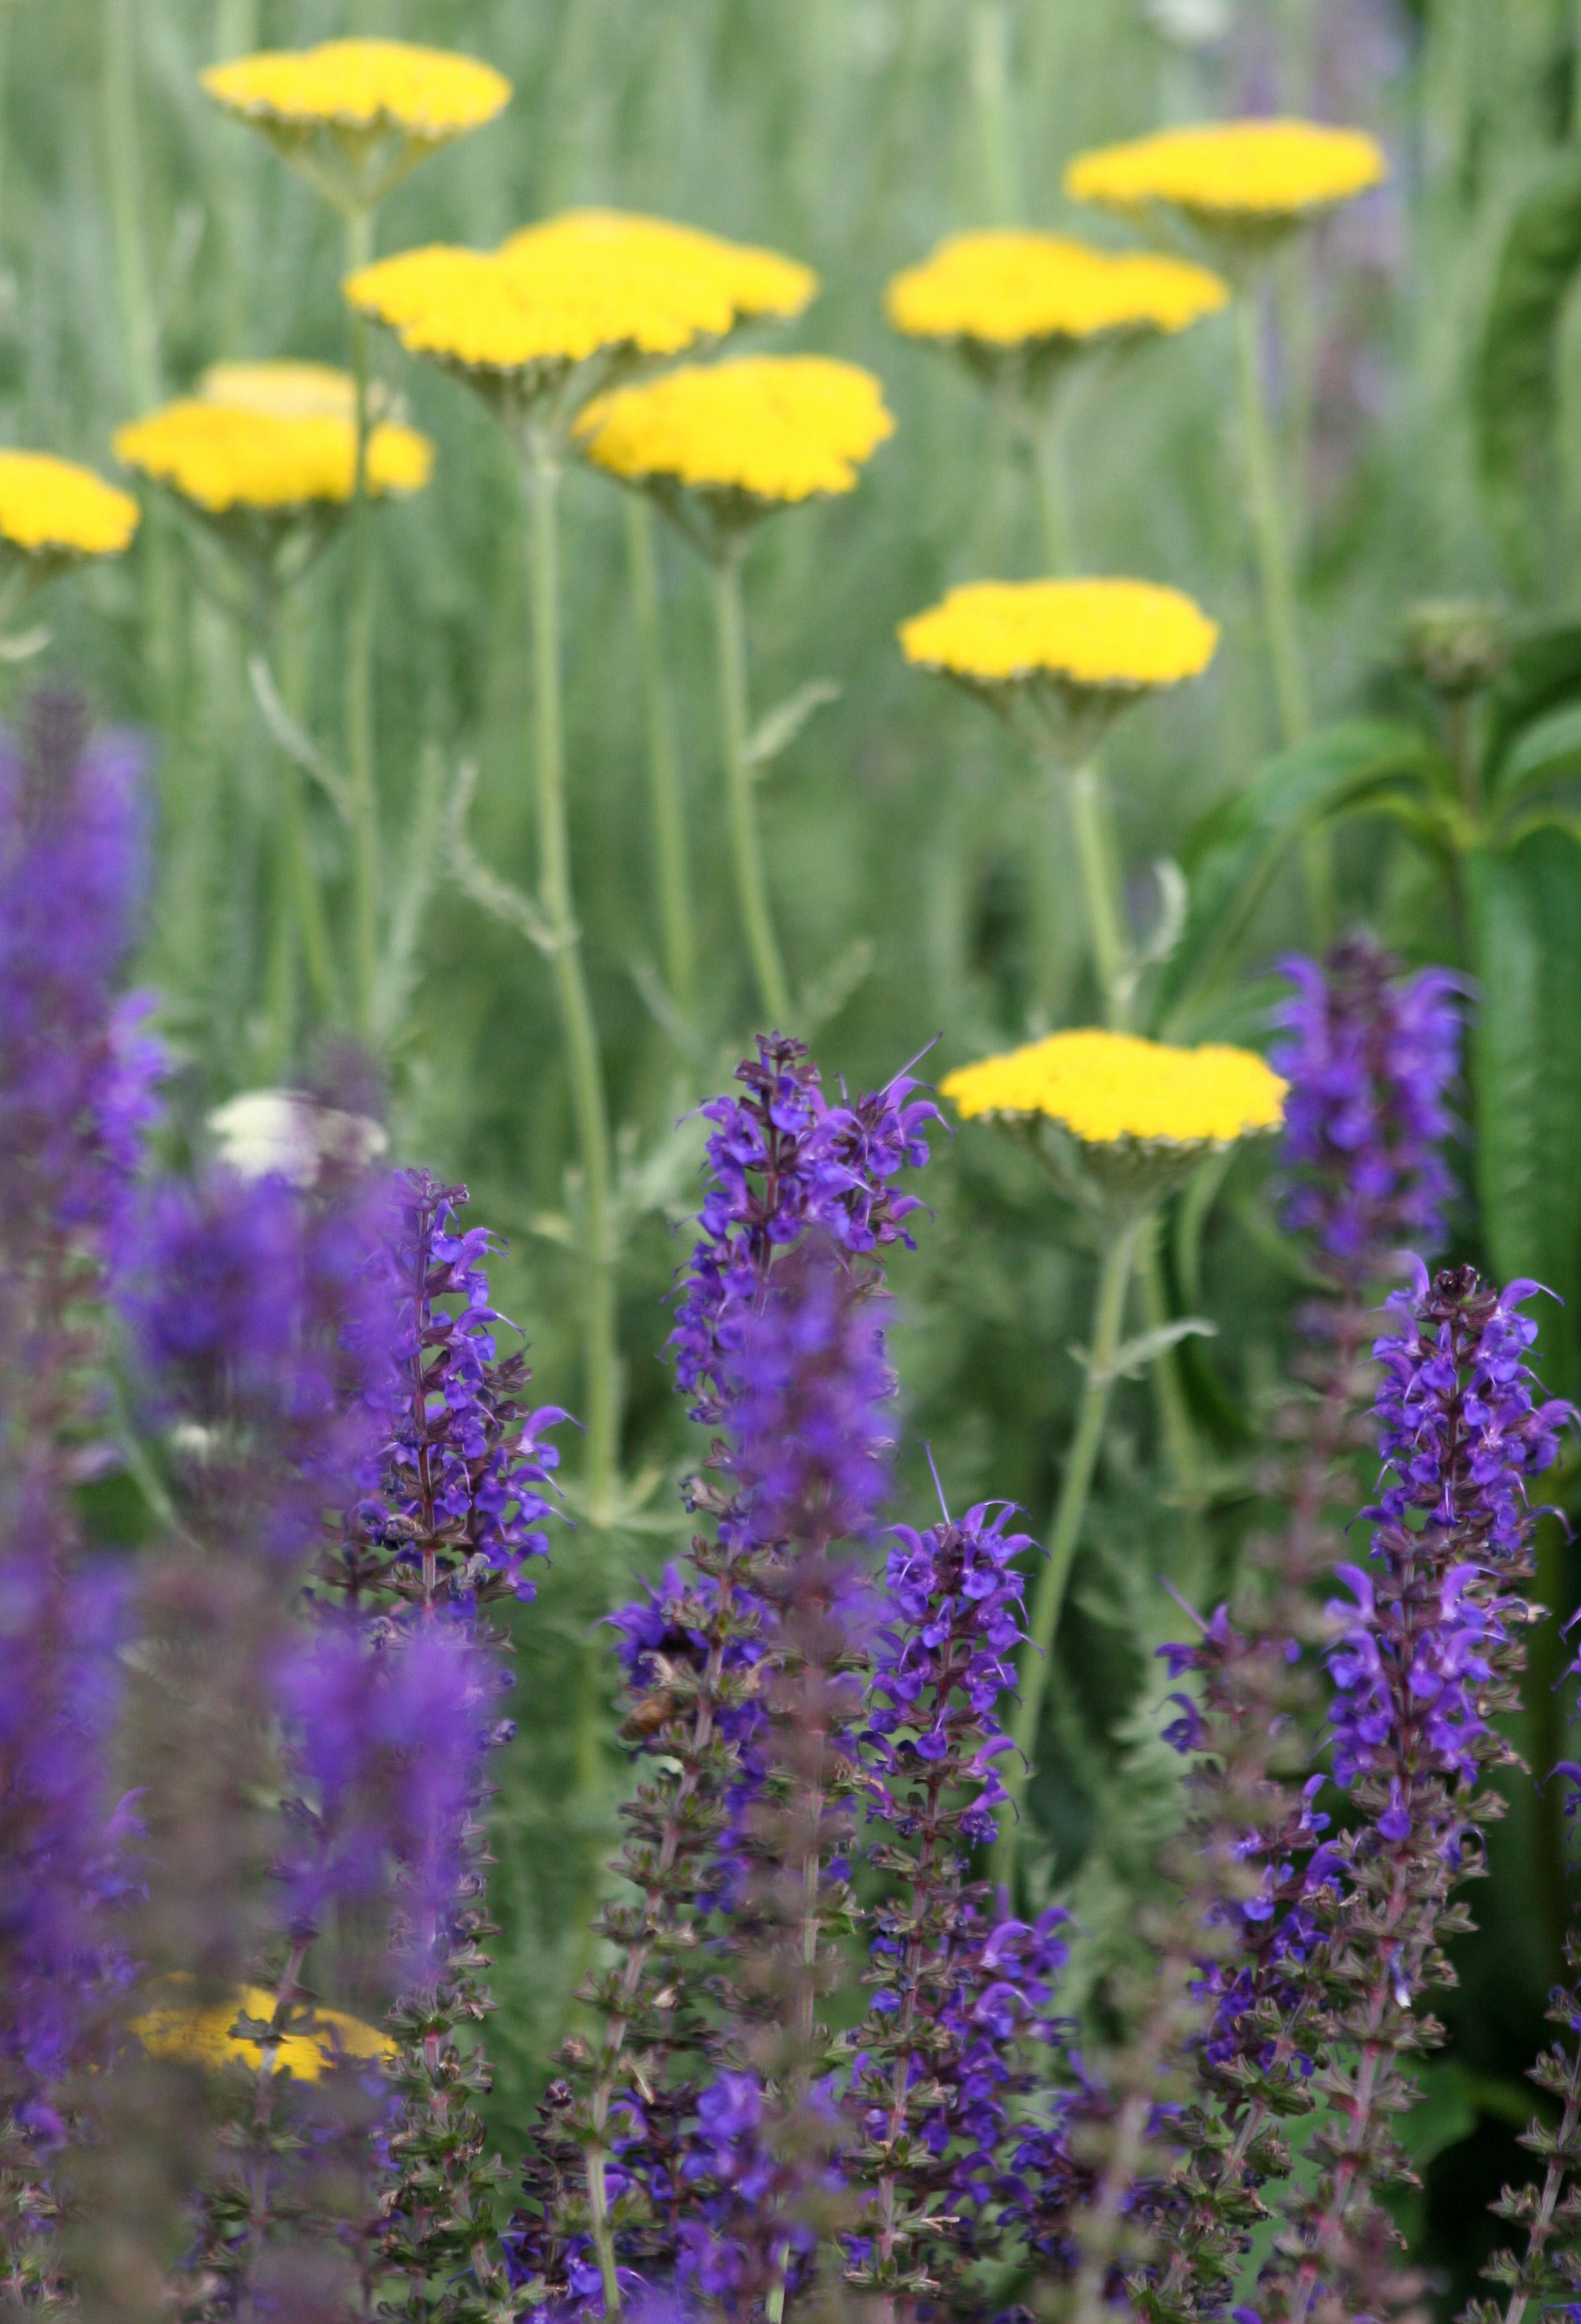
(1369, 1058)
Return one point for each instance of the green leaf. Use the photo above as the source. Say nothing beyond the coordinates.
(1549, 749)
(1238, 849)
(1525, 908)
(1515, 380)
(1542, 675)
(778, 728)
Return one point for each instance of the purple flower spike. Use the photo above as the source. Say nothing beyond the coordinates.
(77, 1071)
(465, 1469)
(784, 1161)
(1369, 1058)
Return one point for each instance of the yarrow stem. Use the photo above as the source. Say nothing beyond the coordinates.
(361, 775)
(677, 912)
(601, 1349)
(750, 882)
(1114, 1270)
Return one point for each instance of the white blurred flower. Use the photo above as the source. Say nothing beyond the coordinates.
(287, 1134)
(1190, 23)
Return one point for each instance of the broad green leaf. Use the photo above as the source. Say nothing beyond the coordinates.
(1515, 385)
(1525, 906)
(1236, 852)
(1549, 749)
(1543, 675)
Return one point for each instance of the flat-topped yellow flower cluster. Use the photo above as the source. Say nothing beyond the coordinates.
(289, 389)
(1108, 1087)
(224, 456)
(1119, 635)
(746, 279)
(1007, 288)
(777, 428)
(202, 2036)
(53, 508)
(585, 283)
(1255, 169)
(431, 94)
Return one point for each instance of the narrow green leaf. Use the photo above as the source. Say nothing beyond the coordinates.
(1525, 906)
(1236, 849)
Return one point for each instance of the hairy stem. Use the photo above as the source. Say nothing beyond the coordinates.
(1081, 1459)
(746, 844)
(601, 1359)
(990, 79)
(676, 915)
(1280, 620)
(361, 780)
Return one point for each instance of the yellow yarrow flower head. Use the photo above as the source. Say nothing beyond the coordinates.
(204, 2035)
(722, 446)
(1137, 1115)
(54, 513)
(287, 391)
(222, 456)
(354, 116)
(1020, 308)
(748, 281)
(1238, 184)
(1072, 653)
(264, 456)
(565, 310)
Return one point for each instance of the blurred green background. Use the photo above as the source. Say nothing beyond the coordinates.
(143, 236)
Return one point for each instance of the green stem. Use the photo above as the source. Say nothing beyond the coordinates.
(361, 781)
(1278, 593)
(297, 908)
(140, 330)
(280, 979)
(750, 885)
(1273, 563)
(307, 896)
(1169, 1405)
(1054, 490)
(601, 1380)
(1546, 1738)
(1576, 69)
(1094, 849)
(990, 79)
(1065, 1533)
(677, 922)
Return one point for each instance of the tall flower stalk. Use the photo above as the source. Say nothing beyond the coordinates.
(354, 117)
(1120, 1121)
(1237, 192)
(1370, 1057)
(783, 1163)
(1430, 1645)
(720, 450)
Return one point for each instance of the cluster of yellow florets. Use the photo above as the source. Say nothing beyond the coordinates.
(202, 2036)
(52, 508)
(1107, 634)
(288, 391)
(1007, 289)
(222, 456)
(1108, 1087)
(746, 279)
(591, 283)
(777, 428)
(431, 94)
(1254, 169)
